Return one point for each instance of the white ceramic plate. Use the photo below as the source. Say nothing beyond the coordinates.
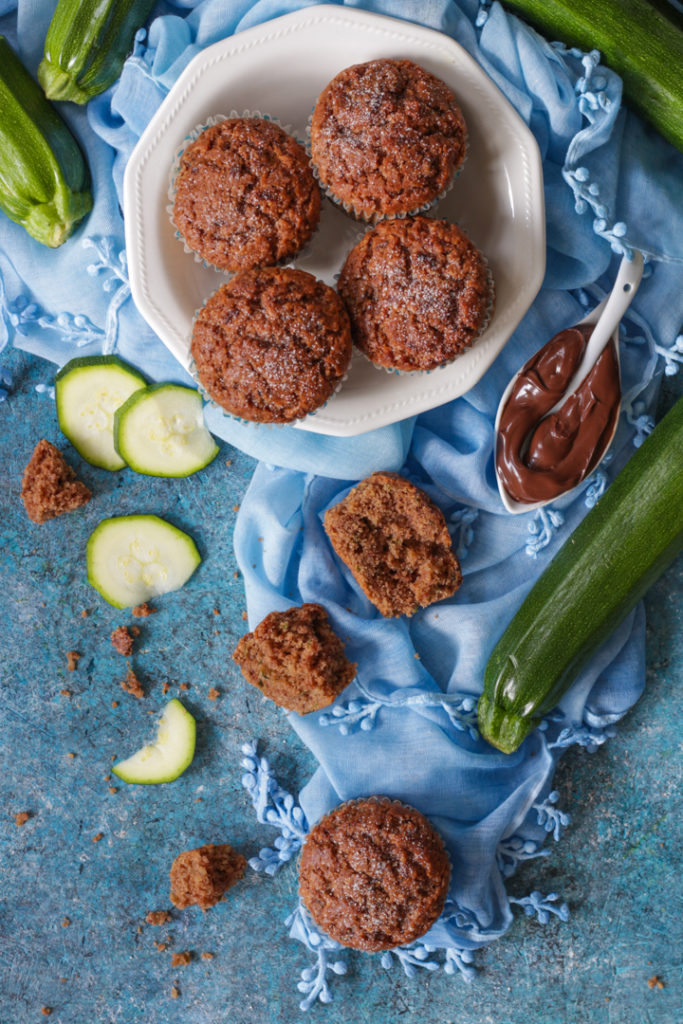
(279, 68)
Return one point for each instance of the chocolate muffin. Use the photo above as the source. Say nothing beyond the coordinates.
(374, 874)
(418, 293)
(387, 138)
(245, 195)
(296, 659)
(272, 344)
(396, 543)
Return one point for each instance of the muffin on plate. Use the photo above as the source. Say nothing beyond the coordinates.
(374, 874)
(396, 543)
(244, 195)
(296, 659)
(272, 344)
(387, 138)
(418, 293)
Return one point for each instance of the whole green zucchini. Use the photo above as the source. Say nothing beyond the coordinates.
(637, 40)
(615, 554)
(44, 178)
(86, 45)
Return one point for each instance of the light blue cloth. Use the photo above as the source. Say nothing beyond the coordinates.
(406, 728)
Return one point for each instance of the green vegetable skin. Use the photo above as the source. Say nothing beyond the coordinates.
(86, 45)
(616, 553)
(642, 44)
(44, 178)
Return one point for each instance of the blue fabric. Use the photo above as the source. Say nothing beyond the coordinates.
(406, 727)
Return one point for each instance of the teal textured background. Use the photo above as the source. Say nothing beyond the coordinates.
(618, 864)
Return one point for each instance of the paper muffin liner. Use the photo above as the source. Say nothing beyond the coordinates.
(488, 313)
(194, 373)
(378, 800)
(175, 170)
(374, 218)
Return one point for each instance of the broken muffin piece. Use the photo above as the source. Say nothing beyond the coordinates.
(122, 640)
(49, 487)
(296, 659)
(396, 543)
(200, 877)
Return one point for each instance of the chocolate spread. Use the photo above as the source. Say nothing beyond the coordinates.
(540, 458)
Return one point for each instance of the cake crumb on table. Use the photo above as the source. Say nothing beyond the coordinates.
(66, 921)
(141, 611)
(181, 959)
(112, 789)
(175, 992)
(201, 876)
(158, 917)
(161, 946)
(165, 688)
(114, 703)
(131, 684)
(72, 658)
(65, 693)
(207, 956)
(46, 1010)
(21, 818)
(655, 982)
(214, 694)
(96, 838)
(184, 686)
(71, 755)
(49, 486)
(84, 613)
(122, 641)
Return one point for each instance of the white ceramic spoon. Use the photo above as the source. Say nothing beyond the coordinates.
(605, 319)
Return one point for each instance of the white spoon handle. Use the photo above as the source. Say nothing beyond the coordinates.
(625, 287)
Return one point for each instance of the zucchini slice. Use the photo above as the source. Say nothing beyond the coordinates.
(88, 392)
(160, 431)
(134, 558)
(171, 753)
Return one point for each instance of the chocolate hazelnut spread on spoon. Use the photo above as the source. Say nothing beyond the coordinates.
(540, 456)
(557, 416)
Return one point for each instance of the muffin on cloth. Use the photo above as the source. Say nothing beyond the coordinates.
(245, 195)
(272, 344)
(200, 877)
(387, 138)
(49, 487)
(418, 293)
(296, 659)
(374, 874)
(396, 543)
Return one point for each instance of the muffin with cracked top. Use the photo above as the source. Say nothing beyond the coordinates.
(272, 344)
(245, 195)
(387, 138)
(418, 293)
(374, 874)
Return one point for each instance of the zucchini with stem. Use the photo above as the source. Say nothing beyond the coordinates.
(86, 45)
(636, 39)
(44, 179)
(615, 554)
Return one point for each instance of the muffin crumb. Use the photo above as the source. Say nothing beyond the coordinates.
(131, 684)
(181, 959)
(49, 487)
(72, 659)
(21, 818)
(201, 876)
(122, 641)
(141, 611)
(214, 694)
(96, 838)
(158, 917)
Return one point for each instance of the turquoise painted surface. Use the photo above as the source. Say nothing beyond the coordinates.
(618, 865)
